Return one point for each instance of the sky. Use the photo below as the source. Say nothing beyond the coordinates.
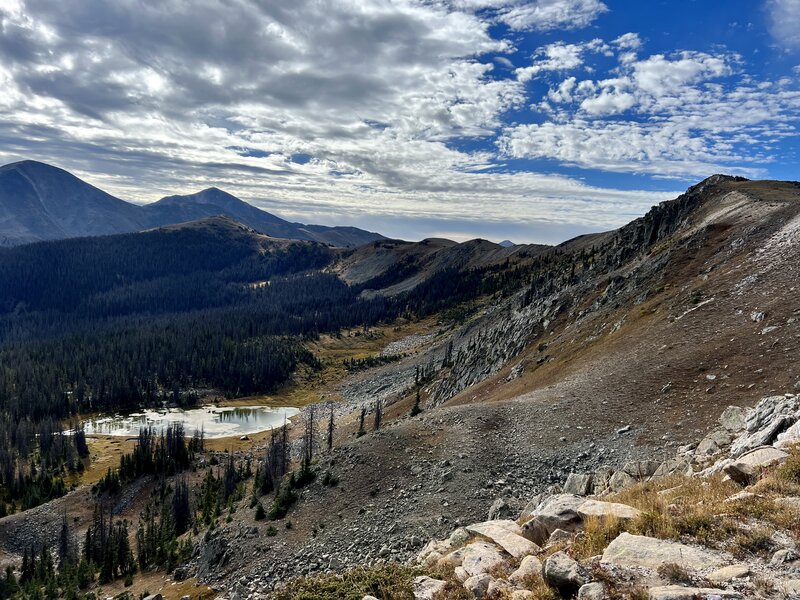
(532, 121)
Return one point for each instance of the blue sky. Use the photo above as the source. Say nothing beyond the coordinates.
(530, 120)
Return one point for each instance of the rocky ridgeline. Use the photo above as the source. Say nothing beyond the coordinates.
(503, 558)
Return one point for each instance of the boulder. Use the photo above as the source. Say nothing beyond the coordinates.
(639, 551)
(563, 573)
(425, 588)
(789, 437)
(604, 510)
(725, 574)
(601, 478)
(369, 598)
(732, 419)
(458, 538)
(478, 585)
(640, 469)
(579, 484)
(592, 591)
(529, 567)
(500, 509)
(714, 442)
(673, 466)
(677, 592)
(507, 535)
(481, 557)
(499, 589)
(770, 417)
(747, 468)
(620, 480)
(559, 536)
(558, 512)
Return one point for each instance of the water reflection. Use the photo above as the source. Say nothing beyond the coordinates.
(215, 422)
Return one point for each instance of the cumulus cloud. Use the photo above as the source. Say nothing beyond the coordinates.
(661, 115)
(785, 22)
(558, 57)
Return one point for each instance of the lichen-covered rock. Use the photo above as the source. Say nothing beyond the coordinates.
(425, 588)
(529, 567)
(639, 551)
(481, 557)
(565, 574)
(604, 510)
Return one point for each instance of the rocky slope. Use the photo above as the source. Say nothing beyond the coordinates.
(629, 354)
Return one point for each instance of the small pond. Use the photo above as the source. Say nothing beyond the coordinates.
(216, 422)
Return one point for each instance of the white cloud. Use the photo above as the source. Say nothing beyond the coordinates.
(558, 57)
(546, 15)
(785, 22)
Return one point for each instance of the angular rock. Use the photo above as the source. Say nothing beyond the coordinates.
(507, 535)
(604, 510)
(481, 557)
(725, 574)
(592, 591)
(498, 589)
(639, 551)
(579, 484)
(563, 573)
(558, 512)
(424, 587)
(500, 509)
(747, 468)
(559, 536)
(732, 419)
(620, 480)
(529, 567)
(478, 585)
(536, 531)
(640, 469)
(673, 466)
(601, 479)
(714, 442)
(677, 592)
(769, 418)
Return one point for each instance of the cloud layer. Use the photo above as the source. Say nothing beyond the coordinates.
(333, 110)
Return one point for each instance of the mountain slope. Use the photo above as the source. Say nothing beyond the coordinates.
(41, 202)
(213, 201)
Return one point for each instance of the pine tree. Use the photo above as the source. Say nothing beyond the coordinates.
(416, 409)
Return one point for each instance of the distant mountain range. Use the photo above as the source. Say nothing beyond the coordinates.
(42, 202)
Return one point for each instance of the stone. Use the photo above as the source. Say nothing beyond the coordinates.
(481, 557)
(529, 567)
(601, 478)
(782, 556)
(478, 585)
(425, 588)
(604, 510)
(507, 535)
(523, 595)
(732, 419)
(640, 469)
(677, 592)
(640, 551)
(460, 574)
(498, 589)
(673, 466)
(369, 598)
(500, 509)
(620, 480)
(714, 442)
(559, 536)
(563, 573)
(789, 502)
(746, 469)
(558, 512)
(725, 574)
(578, 484)
(153, 597)
(788, 438)
(592, 591)
(458, 538)
(770, 417)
